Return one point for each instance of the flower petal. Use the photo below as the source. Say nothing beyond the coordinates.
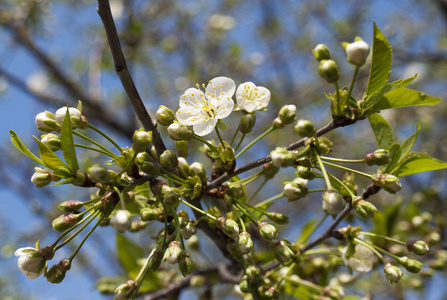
(225, 108)
(189, 115)
(204, 128)
(220, 88)
(249, 92)
(191, 97)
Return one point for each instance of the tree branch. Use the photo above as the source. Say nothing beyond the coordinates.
(125, 77)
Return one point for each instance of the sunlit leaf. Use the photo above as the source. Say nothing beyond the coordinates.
(68, 148)
(52, 161)
(403, 98)
(129, 254)
(382, 131)
(417, 163)
(21, 146)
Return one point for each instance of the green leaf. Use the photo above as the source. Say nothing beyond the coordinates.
(382, 56)
(129, 254)
(382, 131)
(221, 124)
(404, 97)
(416, 162)
(351, 297)
(21, 146)
(306, 232)
(51, 160)
(395, 152)
(408, 144)
(68, 148)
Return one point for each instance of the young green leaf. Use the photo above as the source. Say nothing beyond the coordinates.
(408, 144)
(21, 146)
(68, 148)
(404, 97)
(382, 131)
(306, 231)
(395, 151)
(129, 254)
(416, 162)
(52, 161)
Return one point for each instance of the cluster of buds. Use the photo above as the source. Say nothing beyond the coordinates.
(286, 116)
(49, 122)
(364, 209)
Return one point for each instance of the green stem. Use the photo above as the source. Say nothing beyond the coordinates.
(72, 228)
(337, 89)
(246, 212)
(93, 149)
(323, 170)
(240, 219)
(106, 137)
(255, 141)
(110, 153)
(199, 138)
(198, 209)
(347, 169)
(271, 199)
(179, 182)
(85, 238)
(343, 160)
(177, 222)
(220, 138)
(240, 142)
(234, 135)
(381, 237)
(258, 189)
(127, 166)
(92, 216)
(245, 180)
(174, 177)
(317, 190)
(354, 78)
(122, 203)
(343, 185)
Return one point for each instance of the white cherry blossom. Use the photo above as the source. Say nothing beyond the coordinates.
(202, 109)
(250, 97)
(30, 262)
(362, 260)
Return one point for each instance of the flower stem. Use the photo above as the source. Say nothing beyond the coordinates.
(110, 153)
(92, 216)
(177, 223)
(323, 170)
(106, 137)
(354, 78)
(371, 247)
(234, 135)
(240, 219)
(255, 141)
(258, 189)
(220, 138)
(198, 209)
(271, 199)
(240, 142)
(199, 138)
(381, 237)
(122, 203)
(94, 149)
(343, 185)
(343, 160)
(347, 169)
(127, 166)
(85, 238)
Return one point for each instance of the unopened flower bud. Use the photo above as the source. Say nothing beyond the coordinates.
(164, 116)
(169, 159)
(52, 141)
(389, 183)
(149, 214)
(277, 123)
(141, 140)
(182, 148)
(70, 205)
(305, 173)
(379, 157)
(282, 252)
(245, 242)
(323, 146)
(281, 157)
(418, 247)
(357, 52)
(43, 177)
(172, 253)
(247, 123)
(184, 264)
(63, 222)
(56, 273)
(189, 230)
(364, 209)
(267, 231)
(305, 128)
(75, 116)
(124, 290)
(254, 274)
(180, 132)
(287, 114)
(296, 189)
(328, 70)
(31, 262)
(333, 202)
(146, 164)
(99, 173)
(278, 218)
(46, 121)
(392, 273)
(412, 265)
(198, 169)
(321, 52)
(269, 170)
(121, 220)
(244, 285)
(230, 228)
(155, 260)
(171, 199)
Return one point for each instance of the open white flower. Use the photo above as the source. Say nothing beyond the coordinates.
(362, 260)
(203, 108)
(30, 262)
(251, 97)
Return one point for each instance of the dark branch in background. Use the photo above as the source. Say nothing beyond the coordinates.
(93, 107)
(125, 77)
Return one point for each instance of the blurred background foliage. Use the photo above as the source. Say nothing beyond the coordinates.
(54, 53)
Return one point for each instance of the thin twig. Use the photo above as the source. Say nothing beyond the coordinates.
(125, 77)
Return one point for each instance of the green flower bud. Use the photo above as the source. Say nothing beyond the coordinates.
(185, 264)
(281, 157)
(149, 214)
(180, 132)
(357, 52)
(154, 153)
(333, 202)
(182, 148)
(247, 123)
(183, 165)
(244, 285)
(364, 209)
(305, 128)
(169, 159)
(328, 70)
(267, 231)
(171, 199)
(389, 183)
(245, 242)
(278, 218)
(52, 141)
(379, 157)
(70, 205)
(141, 140)
(392, 273)
(43, 177)
(164, 116)
(282, 252)
(287, 114)
(418, 247)
(75, 116)
(230, 228)
(188, 231)
(277, 124)
(56, 273)
(254, 274)
(99, 173)
(412, 265)
(155, 260)
(124, 290)
(63, 222)
(269, 170)
(296, 189)
(305, 173)
(146, 164)
(321, 52)
(172, 253)
(197, 169)
(323, 146)
(46, 122)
